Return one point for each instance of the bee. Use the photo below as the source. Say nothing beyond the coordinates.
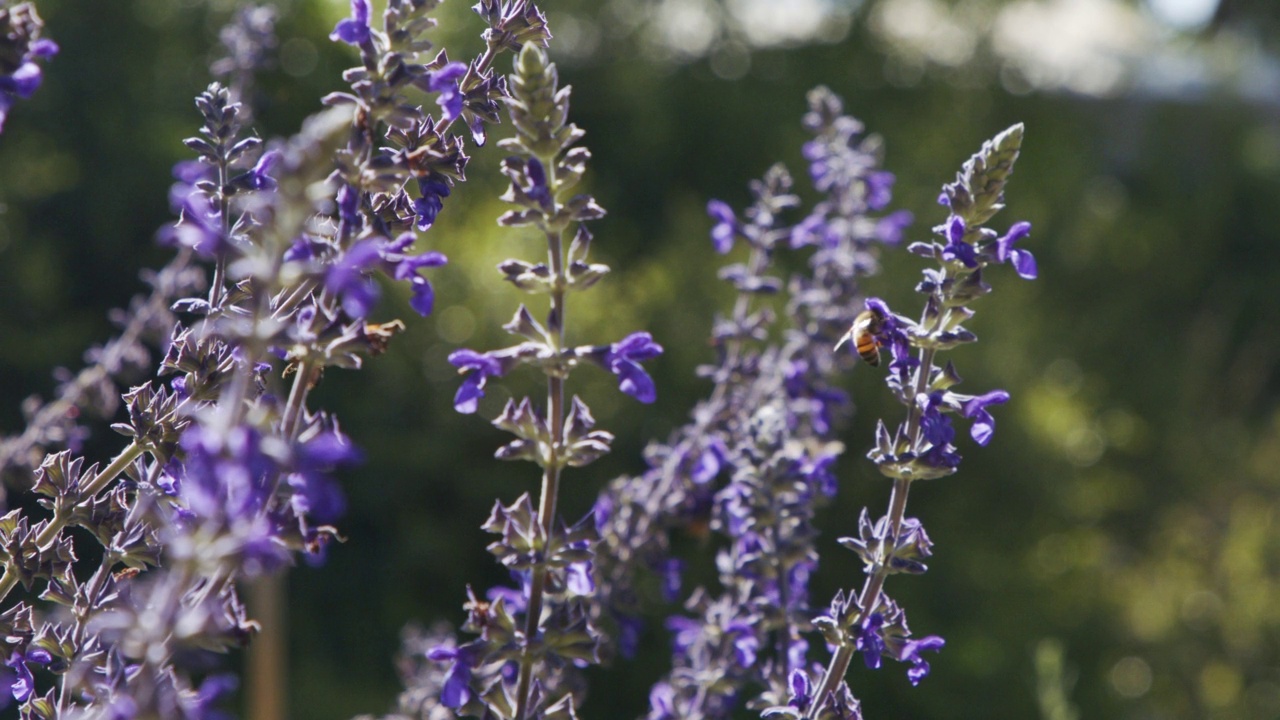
(863, 334)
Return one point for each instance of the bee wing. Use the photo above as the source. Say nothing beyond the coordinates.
(847, 337)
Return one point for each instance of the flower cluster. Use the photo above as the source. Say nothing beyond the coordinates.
(756, 462)
(21, 46)
(228, 474)
(94, 391)
(870, 622)
(530, 638)
(212, 488)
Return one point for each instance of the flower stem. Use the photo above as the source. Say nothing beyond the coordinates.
(60, 519)
(304, 379)
(871, 590)
(551, 471)
(867, 601)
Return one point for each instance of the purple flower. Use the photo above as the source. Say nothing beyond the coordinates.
(726, 227)
(8, 677)
(513, 598)
(938, 432)
(892, 332)
(745, 643)
(623, 359)
(346, 278)
(662, 702)
(935, 426)
(355, 29)
(348, 211)
(709, 462)
(813, 230)
(304, 249)
(602, 512)
(879, 188)
(170, 480)
(816, 153)
(910, 548)
(434, 190)
(670, 570)
(189, 172)
(891, 227)
(258, 177)
(801, 691)
(736, 506)
(579, 580)
(976, 409)
(199, 228)
(538, 188)
(315, 492)
(1023, 261)
(798, 648)
(956, 249)
(228, 475)
(23, 82)
(869, 641)
(44, 48)
(820, 472)
(911, 653)
(457, 684)
(23, 684)
(481, 367)
(445, 82)
(685, 632)
(405, 267)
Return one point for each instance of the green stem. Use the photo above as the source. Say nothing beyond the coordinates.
(63, 515)
(302, 382)
(870, 596)
(551, 471)
(867, 601)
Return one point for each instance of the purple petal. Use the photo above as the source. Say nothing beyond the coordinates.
(578, 579)
(470, 359)
(353, 30)
(879, 189)
(442, 653)
(423, 299)
(456, 691)
(634, 381)
(407, 266)
(467, 399)
(893, 226)
(637, 346)
(955, 229)
(44, 48)
(1025, 264)
(1019, 231)
(26, 79)
(720, 211)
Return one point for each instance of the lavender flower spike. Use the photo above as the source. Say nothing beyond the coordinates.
(523, 663)
(921, 447)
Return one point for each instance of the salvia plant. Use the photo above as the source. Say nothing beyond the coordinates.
(121, 580)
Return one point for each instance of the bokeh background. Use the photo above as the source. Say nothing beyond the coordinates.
(1114, 553)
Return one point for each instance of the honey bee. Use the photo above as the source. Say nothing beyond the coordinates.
(862, 334)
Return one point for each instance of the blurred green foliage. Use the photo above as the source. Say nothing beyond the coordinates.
(1113, 554)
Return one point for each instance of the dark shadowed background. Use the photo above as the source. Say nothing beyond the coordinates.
(1113, 553)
